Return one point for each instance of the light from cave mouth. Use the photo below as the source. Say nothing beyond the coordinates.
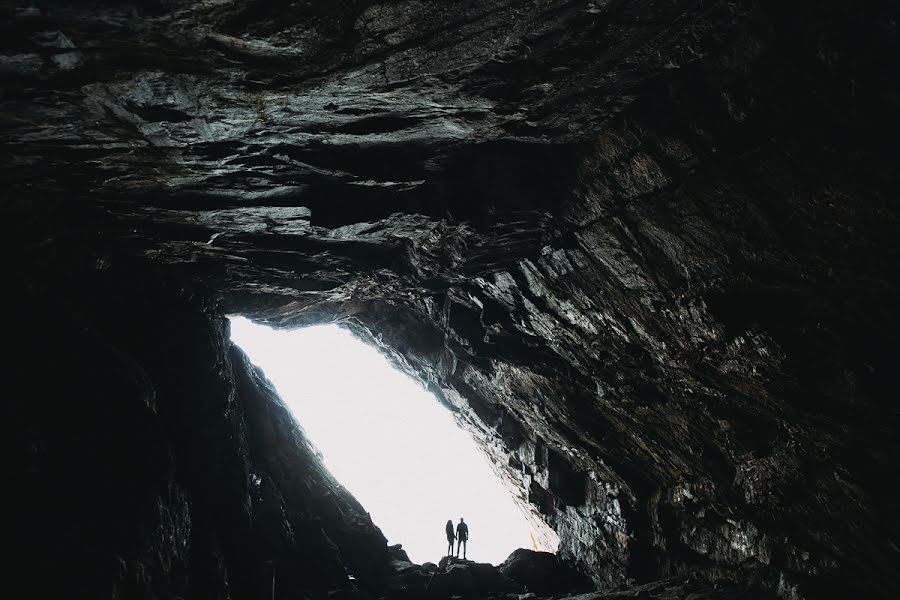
(388, 441)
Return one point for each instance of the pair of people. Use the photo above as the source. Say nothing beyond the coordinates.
(461, 537)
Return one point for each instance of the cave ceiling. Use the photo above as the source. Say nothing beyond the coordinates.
(647, 251)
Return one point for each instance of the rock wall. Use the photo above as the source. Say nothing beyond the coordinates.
(647, 252)
(151, 460)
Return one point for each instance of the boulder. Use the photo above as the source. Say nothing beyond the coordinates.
(398, 553)
(451, 560)
(469, 579)
(543, 573)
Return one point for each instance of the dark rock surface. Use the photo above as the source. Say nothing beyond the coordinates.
(397, 552)
(153, 461)
(192, 531)
(453, 577)
(677, 589)
(543, 573)
(646, 251)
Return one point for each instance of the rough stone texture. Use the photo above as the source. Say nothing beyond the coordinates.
(452, 578)
(646, 251)
(543, 573)
(153, 461)
(674, 589)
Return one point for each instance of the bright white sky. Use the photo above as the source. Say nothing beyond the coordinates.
(388, 441)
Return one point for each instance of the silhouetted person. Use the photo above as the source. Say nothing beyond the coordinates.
(462, 536)
(450, 537)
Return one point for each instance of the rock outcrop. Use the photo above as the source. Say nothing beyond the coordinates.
(153, 461)
(543, 573)
(647, 252)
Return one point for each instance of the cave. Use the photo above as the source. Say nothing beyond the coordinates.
(391, 443)
(645, 251)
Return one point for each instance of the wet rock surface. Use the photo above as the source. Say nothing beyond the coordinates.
(646, 252)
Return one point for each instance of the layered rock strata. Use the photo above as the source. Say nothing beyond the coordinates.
(647, 252)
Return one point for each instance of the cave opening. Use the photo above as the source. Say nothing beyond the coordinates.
(388, 441)
(645, 252)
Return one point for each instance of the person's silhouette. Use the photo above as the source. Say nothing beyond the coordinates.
(450, 537)
(462, 536)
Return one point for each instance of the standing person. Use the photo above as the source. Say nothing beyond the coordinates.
(462, 536)
(450, 537)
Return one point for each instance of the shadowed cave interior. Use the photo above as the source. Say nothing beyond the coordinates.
(647, 252)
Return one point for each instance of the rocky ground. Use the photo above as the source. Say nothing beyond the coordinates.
(530, 575)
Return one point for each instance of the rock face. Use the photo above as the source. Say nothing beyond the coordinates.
(543, 573)
(647, 252)
(153, 460)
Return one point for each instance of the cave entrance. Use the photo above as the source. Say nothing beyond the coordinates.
(388, 441)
